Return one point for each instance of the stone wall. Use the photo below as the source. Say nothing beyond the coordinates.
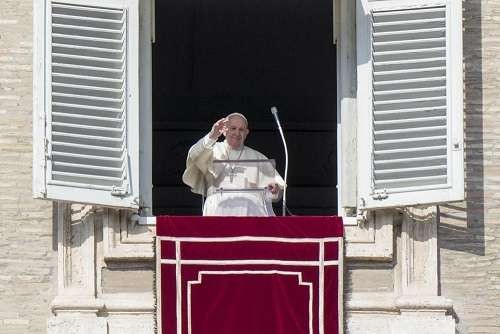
(469, 233)
(27, 259)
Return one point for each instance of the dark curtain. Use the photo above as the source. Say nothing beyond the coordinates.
(214, 57)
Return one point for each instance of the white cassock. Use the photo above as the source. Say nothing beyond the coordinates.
(206, 178)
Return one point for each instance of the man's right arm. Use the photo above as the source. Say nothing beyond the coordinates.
(202, 145)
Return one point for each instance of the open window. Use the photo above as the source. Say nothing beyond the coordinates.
(93, 124)
(215, 57)
(91, 102)
(410, 121)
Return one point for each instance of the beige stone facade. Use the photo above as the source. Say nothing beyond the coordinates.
(469, 234)
(28, 261)
(108, 252)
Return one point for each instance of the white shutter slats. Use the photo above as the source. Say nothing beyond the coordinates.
(85, 159)
(86, 31)
(410, 83)
(73, 89)
(409, 135)
(75, 179)
(415, 171)
(385, 148)
(87, 119)
(410, 162)
(91, 81)
(409, 44)
(87, 140)
(86, 100)
(418, 16)
(405, 34)
(86, 51)
(89, 130)
(410, 113)
(87, 61)
(98, 12)
(92, 152)
(63, 139)
(403, 104)
(77, 109)
(85, 169)
(405, 43)
(84, 71)
(411, 122)
(65, 45)
(411, 74)
(408, 153)
(96, 42)
(408, 94)
(413, 183)
(88, 96)
(68, 19)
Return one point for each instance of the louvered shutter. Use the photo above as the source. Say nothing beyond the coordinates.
(88, 112)
(410, 103)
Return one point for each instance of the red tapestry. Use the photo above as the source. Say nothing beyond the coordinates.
(249, 275)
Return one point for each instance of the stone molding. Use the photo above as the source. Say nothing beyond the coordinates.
(81, 307)
(372, 240)
(388, 303)
(124, 239)
(414, 306)
(76, 254)
(419, 258)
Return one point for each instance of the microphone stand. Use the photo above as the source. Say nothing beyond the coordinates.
(274, 111)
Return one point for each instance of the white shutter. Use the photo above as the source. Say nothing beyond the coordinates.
(87, 103)
(410, 103)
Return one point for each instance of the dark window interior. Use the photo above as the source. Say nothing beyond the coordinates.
(214, 57)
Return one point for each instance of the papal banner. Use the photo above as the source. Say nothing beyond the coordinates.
(242, 275)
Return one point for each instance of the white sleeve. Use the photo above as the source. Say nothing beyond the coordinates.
(208, 142)
(202, 145)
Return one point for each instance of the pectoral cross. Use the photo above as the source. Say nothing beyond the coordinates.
(232, 173)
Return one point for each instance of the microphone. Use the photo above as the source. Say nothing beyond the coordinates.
(274, 111)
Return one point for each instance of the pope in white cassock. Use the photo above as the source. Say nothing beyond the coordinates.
(207, 177)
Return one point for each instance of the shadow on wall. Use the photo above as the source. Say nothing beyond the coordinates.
(462, 225)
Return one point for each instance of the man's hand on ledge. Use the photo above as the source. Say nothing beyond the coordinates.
(274, 188)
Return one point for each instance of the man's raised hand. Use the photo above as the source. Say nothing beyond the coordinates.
(218, 128)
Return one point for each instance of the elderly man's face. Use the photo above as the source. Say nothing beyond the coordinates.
(236, 132)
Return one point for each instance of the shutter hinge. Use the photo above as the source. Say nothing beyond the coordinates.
(380, 194)
(119, 191)
(48, 156)
(361, 212)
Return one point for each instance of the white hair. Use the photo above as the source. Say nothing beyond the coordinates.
(234, 114)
